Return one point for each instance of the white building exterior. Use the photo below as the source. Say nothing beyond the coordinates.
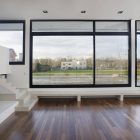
(74, 64)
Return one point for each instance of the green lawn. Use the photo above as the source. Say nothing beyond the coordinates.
(138, 72)
(79, 72)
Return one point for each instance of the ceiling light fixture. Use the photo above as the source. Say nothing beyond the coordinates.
(120, 12)
(45, 11)
(83, 11)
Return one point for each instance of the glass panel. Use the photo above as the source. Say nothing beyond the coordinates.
(11, 26)
(138, 26)
(111, 60)
(62, 60)
(62, 26)
(14, 41)
(138, 60)
(111, 26)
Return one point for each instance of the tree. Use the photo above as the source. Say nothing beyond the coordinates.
(89, 62)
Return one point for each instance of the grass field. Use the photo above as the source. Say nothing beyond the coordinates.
(80, 72)
(138, 72)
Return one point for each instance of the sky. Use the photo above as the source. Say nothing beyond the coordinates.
(80, 46)
(112, 47)
(62, 46)
(12, 39)
(69, 46)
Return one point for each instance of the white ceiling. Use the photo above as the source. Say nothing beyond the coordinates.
(69, 9)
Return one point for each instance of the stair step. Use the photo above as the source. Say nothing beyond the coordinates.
(27, 106)
(6, 109)
(9, 93)
(4, 90)
(24, 99)
(2, 80)
(7, 97)
(21, 94)
(7, 89)
(6, 85)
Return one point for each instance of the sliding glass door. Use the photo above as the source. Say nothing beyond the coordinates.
(111, 60)
(62, 60)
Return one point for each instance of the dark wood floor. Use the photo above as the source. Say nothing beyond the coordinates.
(64, 119)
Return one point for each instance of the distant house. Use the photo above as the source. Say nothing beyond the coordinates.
(74, 64)
(12, 55)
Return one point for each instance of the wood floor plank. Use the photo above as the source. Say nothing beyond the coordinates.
(65, 119)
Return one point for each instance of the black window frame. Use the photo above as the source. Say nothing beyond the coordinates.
(23, 43)
(94, 33)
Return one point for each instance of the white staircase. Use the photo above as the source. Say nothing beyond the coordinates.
(6, 109)
(26, 101)
(10, 93)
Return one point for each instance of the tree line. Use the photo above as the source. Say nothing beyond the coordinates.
(48, 64)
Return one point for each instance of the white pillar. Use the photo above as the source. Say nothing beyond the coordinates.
(78, 98)
(133, 53)
(121, 98)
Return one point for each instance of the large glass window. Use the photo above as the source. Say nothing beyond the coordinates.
(138, 60)
(80, 53)
(138, 53)
(62, 60)
(111, 60)
(112, 55)
(62, 53)
(12, 37)
(111, 26)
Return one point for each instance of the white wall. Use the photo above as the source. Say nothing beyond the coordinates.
(61, 9)
(4, 60)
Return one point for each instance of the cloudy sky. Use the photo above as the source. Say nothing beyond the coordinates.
(12, 39)
(62, 46)
(80, 46)
(69, 46)
(112, 47)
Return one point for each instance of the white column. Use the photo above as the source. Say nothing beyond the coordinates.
(121, 98)
(133, 53)
(78, 98)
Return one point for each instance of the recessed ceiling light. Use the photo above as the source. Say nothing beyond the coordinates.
(83, 11)
(45, 11)
(120, 12)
